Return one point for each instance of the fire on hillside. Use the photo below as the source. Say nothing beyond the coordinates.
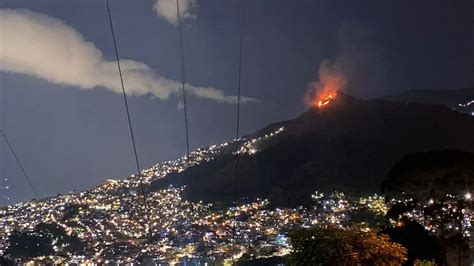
(324, 91)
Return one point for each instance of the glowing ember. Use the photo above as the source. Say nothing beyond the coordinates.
(326, 100)
(324, 91)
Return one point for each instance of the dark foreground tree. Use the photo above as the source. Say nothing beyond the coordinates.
(421, 245)
(4, 261)
(366, 216)
(438, 183)
(29, 245)
(44, 240)
(336, 246)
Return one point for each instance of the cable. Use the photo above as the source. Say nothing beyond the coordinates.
(126, 105)
(240, 69)
(183, 82)
(237, 128)
(183, 78)
(19, 164)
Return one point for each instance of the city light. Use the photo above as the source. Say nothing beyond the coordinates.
(114, 225)
(467, 196)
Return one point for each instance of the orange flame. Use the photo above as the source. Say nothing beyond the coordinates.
(326, 100)
(325, 90)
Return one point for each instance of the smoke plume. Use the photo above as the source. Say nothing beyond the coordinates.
(356, 69)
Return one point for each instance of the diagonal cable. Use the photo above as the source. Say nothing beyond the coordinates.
(237, 128)
(19, 163)
(183, 83)
(126, 105)
(183, 77)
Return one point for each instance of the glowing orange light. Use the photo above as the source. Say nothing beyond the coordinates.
(325, 90)
(325, 100)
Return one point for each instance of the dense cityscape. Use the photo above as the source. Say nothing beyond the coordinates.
(115, 225)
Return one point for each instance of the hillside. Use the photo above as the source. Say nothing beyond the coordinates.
(348, 145)
(461, 100)
(431, 174)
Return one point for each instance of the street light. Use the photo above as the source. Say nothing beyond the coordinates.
(467, 196)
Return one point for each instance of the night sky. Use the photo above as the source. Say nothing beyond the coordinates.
(72, 135)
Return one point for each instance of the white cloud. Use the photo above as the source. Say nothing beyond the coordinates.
(35, 44)
(167, 10)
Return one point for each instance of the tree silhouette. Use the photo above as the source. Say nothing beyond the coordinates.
(336, 246)
(436, 182)
(44, 240)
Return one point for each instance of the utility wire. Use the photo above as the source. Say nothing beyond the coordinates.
(19, 163)
(183, 83)
(237, 128)
(183, 78)
(126, 105)
(237, 132)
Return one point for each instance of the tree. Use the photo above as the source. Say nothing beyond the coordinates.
(366, 216)
(336, 246)
(421, 245)
(72, 210)
(29, 244)
(44, 240)
(6, 261)
(437, 183)
(63, 242)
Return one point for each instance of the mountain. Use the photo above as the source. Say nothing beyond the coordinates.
(346, 144)
(349, 145)
(461, 100)
(432, 174)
